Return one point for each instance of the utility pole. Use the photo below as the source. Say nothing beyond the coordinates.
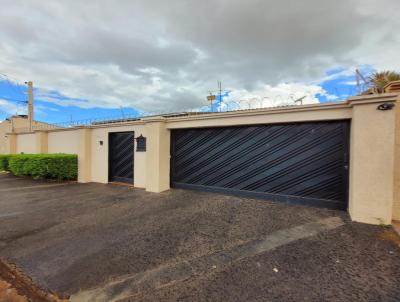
(30, 105)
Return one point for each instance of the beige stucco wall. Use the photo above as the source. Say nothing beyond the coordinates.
(18, 124)
(5, 127)
(267, 116)
(158, 155)
(140, 168)
(374, 176)
(74, 141)
(8, 126)
(372, 141)
(63, 142)
(26, 143)
(11, 144)
(99, 154)
(396, 201)
(84, 155)
(42, 143)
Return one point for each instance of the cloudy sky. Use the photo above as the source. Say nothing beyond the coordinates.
(91, 58)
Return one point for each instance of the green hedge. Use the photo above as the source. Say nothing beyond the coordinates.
(4, 162)
(43, 166)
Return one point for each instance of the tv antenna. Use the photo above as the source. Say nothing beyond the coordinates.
(212, 97)
(300, 100)
(359, 77)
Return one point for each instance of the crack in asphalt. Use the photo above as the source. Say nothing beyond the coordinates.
(162, 276)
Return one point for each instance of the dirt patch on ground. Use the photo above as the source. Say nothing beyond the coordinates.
(390, 235)
(15, 287)
(9, 294)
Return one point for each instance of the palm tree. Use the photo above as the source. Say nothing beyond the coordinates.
(378, 80)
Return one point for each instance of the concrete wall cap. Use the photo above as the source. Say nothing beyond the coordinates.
(110, 125)
(41, 130)
(120, 124)
(61, 129)
(18, 133)
(383, 97)
(154, 119)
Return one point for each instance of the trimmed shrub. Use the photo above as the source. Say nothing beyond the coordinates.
(4, 159)
(45, 166)
(16, 164)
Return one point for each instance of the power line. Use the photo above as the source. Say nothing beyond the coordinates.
(13, 85)
(13, 100)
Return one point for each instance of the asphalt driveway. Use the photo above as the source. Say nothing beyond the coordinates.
(94, 242)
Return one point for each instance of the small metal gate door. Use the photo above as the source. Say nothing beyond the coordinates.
(120, 156)
(303, 163)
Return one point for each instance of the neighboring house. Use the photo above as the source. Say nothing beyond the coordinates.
(17, 124)
(392, 87)
(9, 125)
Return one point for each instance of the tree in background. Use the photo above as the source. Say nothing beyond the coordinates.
(378, 80)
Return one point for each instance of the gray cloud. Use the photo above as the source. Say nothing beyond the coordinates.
(162, 54)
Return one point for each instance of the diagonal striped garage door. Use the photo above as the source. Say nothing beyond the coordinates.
(303, 163)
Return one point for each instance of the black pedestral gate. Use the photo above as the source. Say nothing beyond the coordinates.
(120, 156)
(304, 163)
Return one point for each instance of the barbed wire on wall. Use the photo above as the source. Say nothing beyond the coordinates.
(252, 103)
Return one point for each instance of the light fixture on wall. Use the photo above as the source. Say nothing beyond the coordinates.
(141, 144)
(385, 106)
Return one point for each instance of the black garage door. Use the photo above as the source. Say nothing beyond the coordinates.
(297, 163)
(120, 157)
